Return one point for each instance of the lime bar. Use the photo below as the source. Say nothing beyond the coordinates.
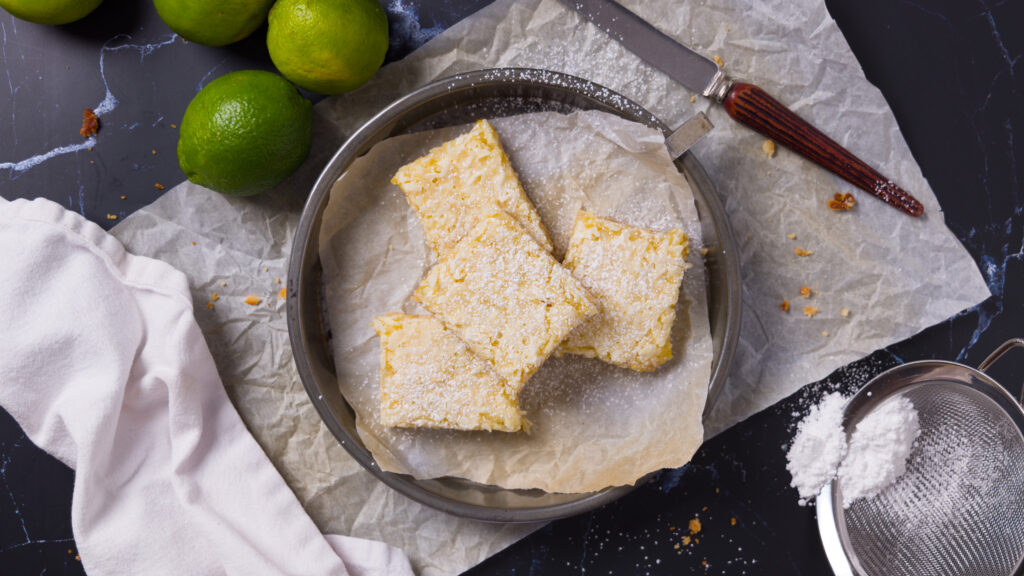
(506, 297)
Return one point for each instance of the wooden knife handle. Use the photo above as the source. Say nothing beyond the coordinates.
(753, 106)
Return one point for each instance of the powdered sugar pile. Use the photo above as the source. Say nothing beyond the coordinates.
(818, 448)
(878, 450)
(874, 458)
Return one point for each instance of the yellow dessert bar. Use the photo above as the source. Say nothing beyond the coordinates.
(505, 297)
(634, 275)
(430, 379)
(463, 181)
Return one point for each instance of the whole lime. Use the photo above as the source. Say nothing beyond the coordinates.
(53, 12)
(327, 46)
(213, 22)
(244, 133)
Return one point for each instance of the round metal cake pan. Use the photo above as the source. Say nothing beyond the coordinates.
(458, 100)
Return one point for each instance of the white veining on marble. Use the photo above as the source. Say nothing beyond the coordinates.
(105, 106)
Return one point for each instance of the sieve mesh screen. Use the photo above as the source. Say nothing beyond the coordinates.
(959, 509)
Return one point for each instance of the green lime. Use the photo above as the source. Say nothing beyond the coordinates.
(51, 12)
(327, 46)
(244, 133)
(214, 23)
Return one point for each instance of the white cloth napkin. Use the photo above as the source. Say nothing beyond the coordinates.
(104, 366)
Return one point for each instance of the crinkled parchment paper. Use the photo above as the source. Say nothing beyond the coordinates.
(593, 425)
(896, 275)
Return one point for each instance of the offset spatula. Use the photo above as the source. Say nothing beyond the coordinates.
(745, 103)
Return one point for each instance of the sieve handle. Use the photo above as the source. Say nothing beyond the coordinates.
(998, 353)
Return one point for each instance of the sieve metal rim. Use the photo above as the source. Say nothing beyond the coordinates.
(834, 538)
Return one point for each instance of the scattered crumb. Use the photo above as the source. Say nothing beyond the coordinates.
(78, 558)
(768, 146)
(791, 236)
(805, 291)
(68, 68)
(686, 540)
(718, 60)
(209, 305)
(89, 149)
(824, 333)
(283, 294)
(845, 312)
(810, 311)
(222, 283)
(253, 300)
(90, 123)
(266, 268)
(92, 161)
(676, 547)
(732, 521)
(123, 197)
(694, 526)
(727, 29)
(693, 98)
(802, 253)
(703, 562)
(841, 202)
(671, 528)
(277, 281)
(214, 297)
(784, 306)
(193, 242)
(154, 152)
(159, 186)
(174, 125)
(704, 509)
(704, 251)
(111, 216)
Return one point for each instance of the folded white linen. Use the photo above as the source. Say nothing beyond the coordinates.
(104, 367)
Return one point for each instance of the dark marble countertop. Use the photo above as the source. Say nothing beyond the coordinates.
(950, 69)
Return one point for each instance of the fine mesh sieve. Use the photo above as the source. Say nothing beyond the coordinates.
(959, 508)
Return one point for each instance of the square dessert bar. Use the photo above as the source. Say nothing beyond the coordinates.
(505, 297)
(462, 182)
(430, 379)
(634, 275)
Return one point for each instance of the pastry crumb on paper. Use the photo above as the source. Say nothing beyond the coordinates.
(842, 202)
